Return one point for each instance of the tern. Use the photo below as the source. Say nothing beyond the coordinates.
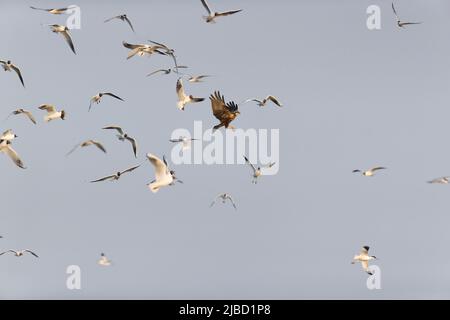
(400, 23)
(163, 175)
(257, 171)
(166, 71)
(20, 253)
(122, 17)
(64, 31)
(263, 102)
(9, 66)
(25, 112)
(196, 79)
(224, 197)
(213, 15)
(142, 49)
(122, 136)
(364, 258)
(104, 261)
(184, 99)
(116, 176)
(52, 113)
(441, 180)
(52, 11)
(98, 97)
(370, 172)
(185, 141)
(5, 147)
(86, 144)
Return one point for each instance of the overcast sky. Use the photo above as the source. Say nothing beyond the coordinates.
(353, 98)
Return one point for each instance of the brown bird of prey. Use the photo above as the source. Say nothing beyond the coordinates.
(25, 112)
(122, 17)
(8, 66)
(52, 11)
(213, 15)
(400, 23)
(225, 112)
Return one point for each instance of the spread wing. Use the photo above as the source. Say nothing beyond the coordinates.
(104, 178)
(249, 163)
(112, 95)
(116, 17)
(12, 154)
(377, 168)
(48, 108)
(219, 108)
(129, 23)
(18, 73)
(29, 251)
(131, 46)
(395, 12)
(99, 145)
(119, 129)
(274, 100)
(180, 90)
(30, 116)
(227, 13)
(160, 167)
(134, 144)
(205, 4)
(130, 169)
(66, 36)
(154, 72)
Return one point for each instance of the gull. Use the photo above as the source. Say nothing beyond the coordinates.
(8, 136)
(104, 261)
(196, 79)
(25, 112)
(166, 71)
(263, 102)
(52, 113)
(441, 180)
(122, 136)
(163, 175)
(5, 147)
(20, 253)
(213, 15)
(184, 140)
(257, 172)
(116, 176)
(142, 49)
(224, 197)
(400, 23)
(64, 31)
(52, 11)
(8, 66)
(86, 144)
(122, 17)
(184, 99)
(224, 112)
(364, 258)
(97, 98)
(370, 172)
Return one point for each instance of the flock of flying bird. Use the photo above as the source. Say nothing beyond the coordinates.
(224, 111)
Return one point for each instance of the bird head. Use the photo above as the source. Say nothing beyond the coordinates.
(63, 115)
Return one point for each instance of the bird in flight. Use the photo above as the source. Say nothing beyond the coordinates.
(364, 258)
(142, 49)
(104, 261)
(184, 99)
(196, 79)
(400, 23)
(370, 172)
(97, 98)
(52, 113)
(441, 180)
(52, 11)
(210, 18)
(168, 51)
(5, 147)
(8, 66)
(224, 112)
(116, 176)
(122, 17)
(64, 31)
(25, 112)
(185, 141)
(86, 144)
(20, 253)
(163, 175)
(166, 71)
(224, 197)
(263, 102)
(122, 136)
(8, 136)
(257, 171)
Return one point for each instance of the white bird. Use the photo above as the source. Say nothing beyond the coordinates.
(5, 147)
(122, 17)
(143, 49)
(213, 15)
(53, 11)
(184, 140)
(104, 261)
(8, 66)
(86, 144)
(184, 99)
(52, 113)
(364, 258)
(116, 176)
(441, 180)
(400, 23)
(224, 197)
(196, 79)
(122, 136)
(257, 171)
(263, 102)
(20, 253)
(163, 175)
(64, 31)
(25, 112)
(8, 135)
(370, 172)
(98, 97)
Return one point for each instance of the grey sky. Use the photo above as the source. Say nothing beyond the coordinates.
(353, 98)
